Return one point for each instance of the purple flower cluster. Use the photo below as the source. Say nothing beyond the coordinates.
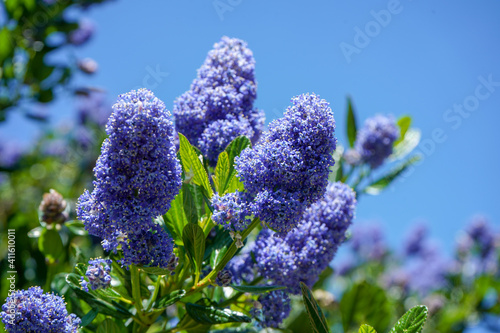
(241, 268)
(368, 243)
(33, 311)
(219, 106)
(275, 307)
(288, 170)
(374, 141)
(415, 241)
(306, 251)
(231, 211)
(83, 33)
(428, 271)
(137, 176)
(97, 274)
(223, 278)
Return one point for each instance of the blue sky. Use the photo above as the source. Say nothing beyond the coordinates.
(421, 60)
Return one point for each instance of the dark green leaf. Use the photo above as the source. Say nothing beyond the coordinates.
(190, 202)
(316, 317)
(210, 315)
(256, 289)
(366, 329)
(50, 244)
(175, 219)
(108, 326)
(365, 303)
(412, 321)
(351, 123)
(404, 124)
(89, 317)
(378, 185)
(222, 173)
(76, 227)
(192, 165)
(194, 243)
(190, 325)
(222, 240)
(234, 149)
(6, 46)
(169, 299)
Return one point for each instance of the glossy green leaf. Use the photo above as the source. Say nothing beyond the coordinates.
(378, 185)
(89, 317)
(192, 164)
(108, 326)
(76, 227)
(211, 315)
(175, 219)
(190, 325)
(316, 317)
(234, 149)
(256, 289)
(412, 321)
(351, 123)
(222, 240)
(194, 243)
(193, 202)
(366, 329)
(50, 244)
(406, 146)
(169, 299)
(222, 173)
(404, 124)
(365, 303)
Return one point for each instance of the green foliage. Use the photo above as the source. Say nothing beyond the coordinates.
(210, 315)
(412, 321)
(380, 184)
(50, 244)
(193, 167)
(316, 316)
(366, 329)
(194, 243)
(256, 289)
(351, 123)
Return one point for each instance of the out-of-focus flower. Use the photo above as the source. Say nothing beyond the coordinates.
(83, 33)
(88, 65)
(53, 208)
(223, 278)
(137, 176)
(352, 157)
(274, 308)
(375, 139)
(288, 170)
(241, 268)
(219, 105)
(415, 241)
(306, 251)
(34, 311)
(368, 243)
(97, 274)
(92, 107)
(10, 153)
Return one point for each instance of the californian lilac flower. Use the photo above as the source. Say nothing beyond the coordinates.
(93, 108)
(97, 274)
(231, 211)
(241, 268)
(223, 278)
(306, 251)
(368, 242)
(415, 241)
(482, 234)
(10, 153)
(33, 311)
(83, 33)
(137, 176)
(275, 307)
(374, 141)
(288, 170)
(218, 134)
(428, 271)
(223, 92)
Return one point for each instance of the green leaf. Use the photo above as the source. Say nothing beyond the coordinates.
(366, 329)
(5, 44)
(108, 326)
(222, 173)
(222, 240)
(50, 244)
(190, 325)
(406, 146)
(89, 317)
(256, 289)
(365, 303)
(234, 149)
(191, 163)
(175, 219)
(404, 124)
(316, 316)
(76, 227)
(169, 299)
(35, 233)
(156, 270)
(211, 315)
(217, 256)
(351, 123)
(194, 243)
(378, 185)
(412, 321)
(193, 202)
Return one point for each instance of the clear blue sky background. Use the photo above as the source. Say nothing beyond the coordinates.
(425, 59)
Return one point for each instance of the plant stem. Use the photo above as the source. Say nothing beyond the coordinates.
(136, 294)
(155, 293)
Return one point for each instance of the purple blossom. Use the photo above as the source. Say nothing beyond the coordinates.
(274, 308)
(83, 33)
(137, 176)
(241, 268)
(306, 251)
(10, 153)
(97, 275)
(415, 240)
(288, 170)
(223, 92)
(374, 141)
(231, 211)
(33, 311)
(427, 272)
(223, 278)
(368, 242)
(93, 108)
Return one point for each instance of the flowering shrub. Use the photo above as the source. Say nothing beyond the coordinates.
(212, 224)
